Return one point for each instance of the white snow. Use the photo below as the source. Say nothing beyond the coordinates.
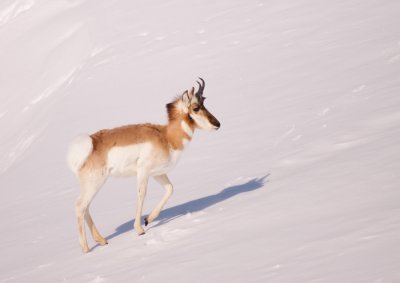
(300, 184)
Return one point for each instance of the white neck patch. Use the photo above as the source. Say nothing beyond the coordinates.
(186, 129)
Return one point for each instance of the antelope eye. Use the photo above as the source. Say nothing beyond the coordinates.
(196, 109)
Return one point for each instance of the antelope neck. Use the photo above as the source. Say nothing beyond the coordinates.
(179, 133)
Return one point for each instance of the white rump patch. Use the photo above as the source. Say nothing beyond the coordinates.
(78, 152)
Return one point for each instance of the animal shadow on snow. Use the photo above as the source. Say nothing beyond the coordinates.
(196, 205)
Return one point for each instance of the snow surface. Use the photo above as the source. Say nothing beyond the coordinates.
(300, 184)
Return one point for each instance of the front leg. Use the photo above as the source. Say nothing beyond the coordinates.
(142, 179)
(164, 181)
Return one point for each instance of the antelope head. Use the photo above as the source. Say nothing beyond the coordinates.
(193, 106)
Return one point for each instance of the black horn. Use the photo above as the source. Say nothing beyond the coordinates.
(201, 87)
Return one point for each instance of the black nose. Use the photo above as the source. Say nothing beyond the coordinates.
(213, 121)
(217, 124)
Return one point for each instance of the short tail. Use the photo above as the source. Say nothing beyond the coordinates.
(78, 152)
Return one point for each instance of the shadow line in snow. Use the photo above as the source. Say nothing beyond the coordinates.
(196, 205)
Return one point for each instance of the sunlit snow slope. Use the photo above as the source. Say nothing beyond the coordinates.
(300, 184)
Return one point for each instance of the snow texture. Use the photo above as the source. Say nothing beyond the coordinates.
(300, 184)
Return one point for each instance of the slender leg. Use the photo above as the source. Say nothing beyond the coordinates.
(164, 181)
(142, 179)
(95, 233)
(90, 185)
(80, 214)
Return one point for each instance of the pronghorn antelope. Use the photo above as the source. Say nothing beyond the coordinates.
(144, 150)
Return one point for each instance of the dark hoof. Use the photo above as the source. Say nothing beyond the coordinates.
(146, 221)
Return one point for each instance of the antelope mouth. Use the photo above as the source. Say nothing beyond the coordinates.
(216, 128)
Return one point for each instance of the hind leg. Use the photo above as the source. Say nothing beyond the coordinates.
(80, 214)
(91, 183)
(95, 233)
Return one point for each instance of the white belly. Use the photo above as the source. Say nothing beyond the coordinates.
(167, 165)
(127, 160)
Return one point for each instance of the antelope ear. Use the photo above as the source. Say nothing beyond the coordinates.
(186, 98)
